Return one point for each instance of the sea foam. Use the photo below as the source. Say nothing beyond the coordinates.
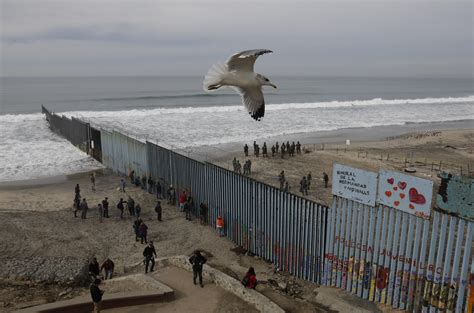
(28, 149)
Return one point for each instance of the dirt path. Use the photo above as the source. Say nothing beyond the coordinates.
(190, 297)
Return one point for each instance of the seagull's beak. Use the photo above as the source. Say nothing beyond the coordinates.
(273, 86)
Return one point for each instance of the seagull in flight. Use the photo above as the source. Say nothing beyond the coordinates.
(238, 74)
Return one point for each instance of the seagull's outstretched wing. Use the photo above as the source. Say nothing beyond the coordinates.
(252, 98)
(244, 61)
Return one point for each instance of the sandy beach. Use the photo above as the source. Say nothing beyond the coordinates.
(39, 224)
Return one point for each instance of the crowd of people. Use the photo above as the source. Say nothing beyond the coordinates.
(105, 270)
(247, 169)
(305, 182)
(285, 149)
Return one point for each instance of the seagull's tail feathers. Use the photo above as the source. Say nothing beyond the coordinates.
(215, 76)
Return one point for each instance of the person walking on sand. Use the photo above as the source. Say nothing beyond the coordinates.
(122, 185)
(131, 206)
(77, 191)
(77, 204)
(143, 231)
(84, 208)
(171, 195)
(304, 186)
(197, 260)
(108, 267)
(250, 279)
(121, 207)
(287, 187)
(92, 176)
(101, 212)
(136, 226)
(138, 210)
(158, 210)
(105, 205)
(149, 253)
(326, 179)
(96, 295)
(220, 226)
(246, 150)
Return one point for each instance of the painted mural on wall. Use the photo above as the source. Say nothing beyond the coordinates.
(406, 193)
(354, 184)
(456, 195)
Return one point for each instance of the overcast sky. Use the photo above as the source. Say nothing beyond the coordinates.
(337, 38)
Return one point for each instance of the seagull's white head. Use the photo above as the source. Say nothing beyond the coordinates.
(264, 81)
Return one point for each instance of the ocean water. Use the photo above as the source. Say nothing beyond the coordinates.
(175, 112)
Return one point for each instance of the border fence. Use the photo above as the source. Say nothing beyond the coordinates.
(377, 252)
(280, 227)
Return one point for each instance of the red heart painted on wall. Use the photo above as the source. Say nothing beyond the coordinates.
(390, 181)
(388, 193)
(411, 206)
(402, 185)
(402, 195)
(396, 203)
(395, 188)
(416, 197)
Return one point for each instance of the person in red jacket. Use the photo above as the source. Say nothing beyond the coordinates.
(182, 200)
(250, 279)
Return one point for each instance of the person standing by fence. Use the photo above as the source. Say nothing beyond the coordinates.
(220, 226)
(159, 194)
(281, 179)
(203, 208)
(151, 184)
(131, 175)
(182, 200)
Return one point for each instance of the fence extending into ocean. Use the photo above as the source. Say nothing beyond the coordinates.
(378, 252)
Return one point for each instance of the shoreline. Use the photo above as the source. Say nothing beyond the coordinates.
(337, 136)
(216, 152)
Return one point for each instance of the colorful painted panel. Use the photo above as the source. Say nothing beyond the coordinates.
(406, 193)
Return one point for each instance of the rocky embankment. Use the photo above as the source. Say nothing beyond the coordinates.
(65, 271)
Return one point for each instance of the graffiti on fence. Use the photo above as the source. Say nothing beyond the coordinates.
(355, 184)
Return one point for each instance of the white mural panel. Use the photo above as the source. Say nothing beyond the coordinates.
(354, 184)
